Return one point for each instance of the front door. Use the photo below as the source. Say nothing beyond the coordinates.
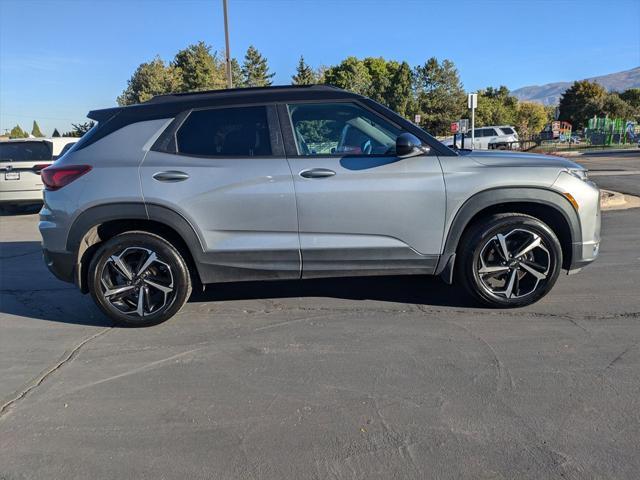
(361, 209)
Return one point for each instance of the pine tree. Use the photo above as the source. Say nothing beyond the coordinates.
(255, 69)
(236, 74)
(150, 79)
(304, 74)
(197, 68)
(35, 131)
(56, 133)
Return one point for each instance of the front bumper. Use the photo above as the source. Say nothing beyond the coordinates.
(62, 265)
(587, 197)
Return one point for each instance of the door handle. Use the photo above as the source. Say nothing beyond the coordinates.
(171, 176)
(317, 173)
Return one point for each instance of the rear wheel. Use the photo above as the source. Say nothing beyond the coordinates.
(509, 260)
(139, 279)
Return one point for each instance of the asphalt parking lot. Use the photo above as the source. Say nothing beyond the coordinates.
(353, 378)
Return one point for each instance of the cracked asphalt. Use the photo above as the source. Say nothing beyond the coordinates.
(352, 378)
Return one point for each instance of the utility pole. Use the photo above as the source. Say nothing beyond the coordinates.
(227, 59)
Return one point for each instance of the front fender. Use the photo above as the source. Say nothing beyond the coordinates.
(502, 196)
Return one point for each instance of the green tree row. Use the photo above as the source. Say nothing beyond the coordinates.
(192, 69)
(18, 132)
(78, 130)
(432, 90)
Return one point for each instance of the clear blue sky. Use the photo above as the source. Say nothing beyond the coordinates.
(61, 58)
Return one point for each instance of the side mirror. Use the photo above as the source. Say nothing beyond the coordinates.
(408, 145)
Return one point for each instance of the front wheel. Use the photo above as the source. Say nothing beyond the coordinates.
(139, 279)
(509, 260)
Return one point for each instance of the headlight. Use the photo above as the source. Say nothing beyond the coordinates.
(579, 173)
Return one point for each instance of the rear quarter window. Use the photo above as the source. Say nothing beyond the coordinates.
(25, 151)
(507, 130)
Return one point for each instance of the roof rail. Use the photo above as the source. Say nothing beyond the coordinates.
(167, 96)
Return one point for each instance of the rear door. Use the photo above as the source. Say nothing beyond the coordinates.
(224, 170)
(361, 209)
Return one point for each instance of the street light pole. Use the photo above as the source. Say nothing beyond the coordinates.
(227, 59)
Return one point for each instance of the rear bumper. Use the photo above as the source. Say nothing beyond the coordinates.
(20, 196)
(61, 264)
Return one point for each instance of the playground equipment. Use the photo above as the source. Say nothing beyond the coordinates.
(556, 130)
(608, 131)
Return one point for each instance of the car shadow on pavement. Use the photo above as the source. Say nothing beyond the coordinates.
(29, 290)
(413, 289)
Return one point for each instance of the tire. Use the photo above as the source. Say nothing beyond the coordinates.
(513, 281)
(135, 264)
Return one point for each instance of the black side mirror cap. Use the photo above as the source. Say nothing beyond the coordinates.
(408, 145)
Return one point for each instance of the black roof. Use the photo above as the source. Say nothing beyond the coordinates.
(173, 103)
(166, 106)
(257, 94)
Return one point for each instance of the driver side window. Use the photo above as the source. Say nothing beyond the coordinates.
(341, 129)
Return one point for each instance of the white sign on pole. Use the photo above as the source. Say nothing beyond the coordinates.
(417, 119)
(472, 100)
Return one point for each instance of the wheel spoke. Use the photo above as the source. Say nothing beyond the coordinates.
(533, 244)
(503, 246)
(532, 271)
(141, 300)
(494, 269)
(150, 259)
(162, 288)
(118, 290)
(512, 279)
(121, 267)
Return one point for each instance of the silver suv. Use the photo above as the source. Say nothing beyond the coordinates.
(295, 183)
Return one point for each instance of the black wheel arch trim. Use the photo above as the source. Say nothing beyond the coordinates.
(100, 214)
(499, 196)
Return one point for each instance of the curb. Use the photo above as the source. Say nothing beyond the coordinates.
(610, 200)
(578, 153)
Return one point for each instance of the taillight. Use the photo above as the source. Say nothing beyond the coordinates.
(55, 177)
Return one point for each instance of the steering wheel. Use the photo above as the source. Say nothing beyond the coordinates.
(366, 147)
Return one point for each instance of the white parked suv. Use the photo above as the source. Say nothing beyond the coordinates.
(495, 137)
(21, 161)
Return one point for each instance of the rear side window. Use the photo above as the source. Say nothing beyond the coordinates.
(507, 130)
(224, 132)
(17, 151)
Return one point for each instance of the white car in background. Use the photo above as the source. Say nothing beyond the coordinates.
(21, 161)
(494, 137)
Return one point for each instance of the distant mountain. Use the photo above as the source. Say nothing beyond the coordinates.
(549, 94)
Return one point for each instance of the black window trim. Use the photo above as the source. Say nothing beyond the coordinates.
(167, 142)
(292, 146)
